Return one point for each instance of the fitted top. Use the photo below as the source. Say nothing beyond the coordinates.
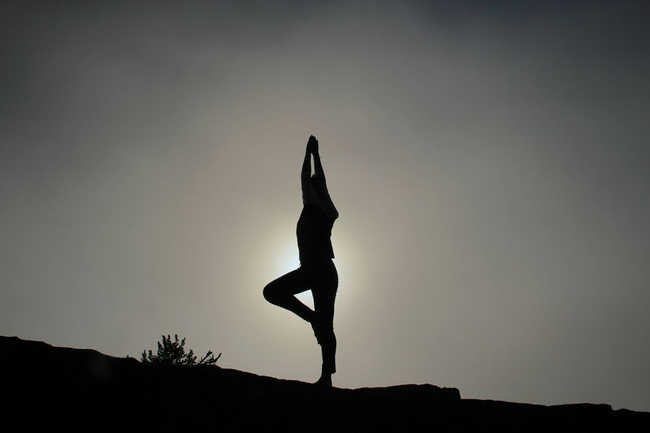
(313, 231)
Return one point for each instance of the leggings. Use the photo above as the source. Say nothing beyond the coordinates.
(319, 276)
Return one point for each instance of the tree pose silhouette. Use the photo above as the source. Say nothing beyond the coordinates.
(317, 271)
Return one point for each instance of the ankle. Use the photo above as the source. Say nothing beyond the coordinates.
(325, 381)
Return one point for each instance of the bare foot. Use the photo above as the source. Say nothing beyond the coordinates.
(325, 381)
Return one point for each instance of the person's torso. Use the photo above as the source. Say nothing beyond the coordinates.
(314, 231)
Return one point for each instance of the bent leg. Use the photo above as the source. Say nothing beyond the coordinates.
(281, 292)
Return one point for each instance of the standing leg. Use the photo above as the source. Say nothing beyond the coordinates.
(324, 292)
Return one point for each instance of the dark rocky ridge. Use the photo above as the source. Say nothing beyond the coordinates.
(50, 386)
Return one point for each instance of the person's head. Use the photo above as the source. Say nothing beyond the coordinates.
(318, 185)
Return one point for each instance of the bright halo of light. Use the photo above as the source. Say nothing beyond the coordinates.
(287, 260)
(349, 264)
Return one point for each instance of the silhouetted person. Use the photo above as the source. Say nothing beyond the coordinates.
(317, 271)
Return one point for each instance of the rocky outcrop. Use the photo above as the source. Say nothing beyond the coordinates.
(50, 386)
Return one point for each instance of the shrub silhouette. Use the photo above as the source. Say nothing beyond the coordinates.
(173, 353)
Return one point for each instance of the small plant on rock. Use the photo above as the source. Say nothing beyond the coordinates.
(173, 352)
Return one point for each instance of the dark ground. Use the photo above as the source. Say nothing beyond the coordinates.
(46, 386)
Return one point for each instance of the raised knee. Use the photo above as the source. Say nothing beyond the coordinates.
(269, 293)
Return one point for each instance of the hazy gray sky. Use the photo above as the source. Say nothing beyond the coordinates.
(489, 163)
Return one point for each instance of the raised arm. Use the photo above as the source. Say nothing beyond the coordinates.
(308, 193)
(305, 173)
(323, 198)
(318, 167)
